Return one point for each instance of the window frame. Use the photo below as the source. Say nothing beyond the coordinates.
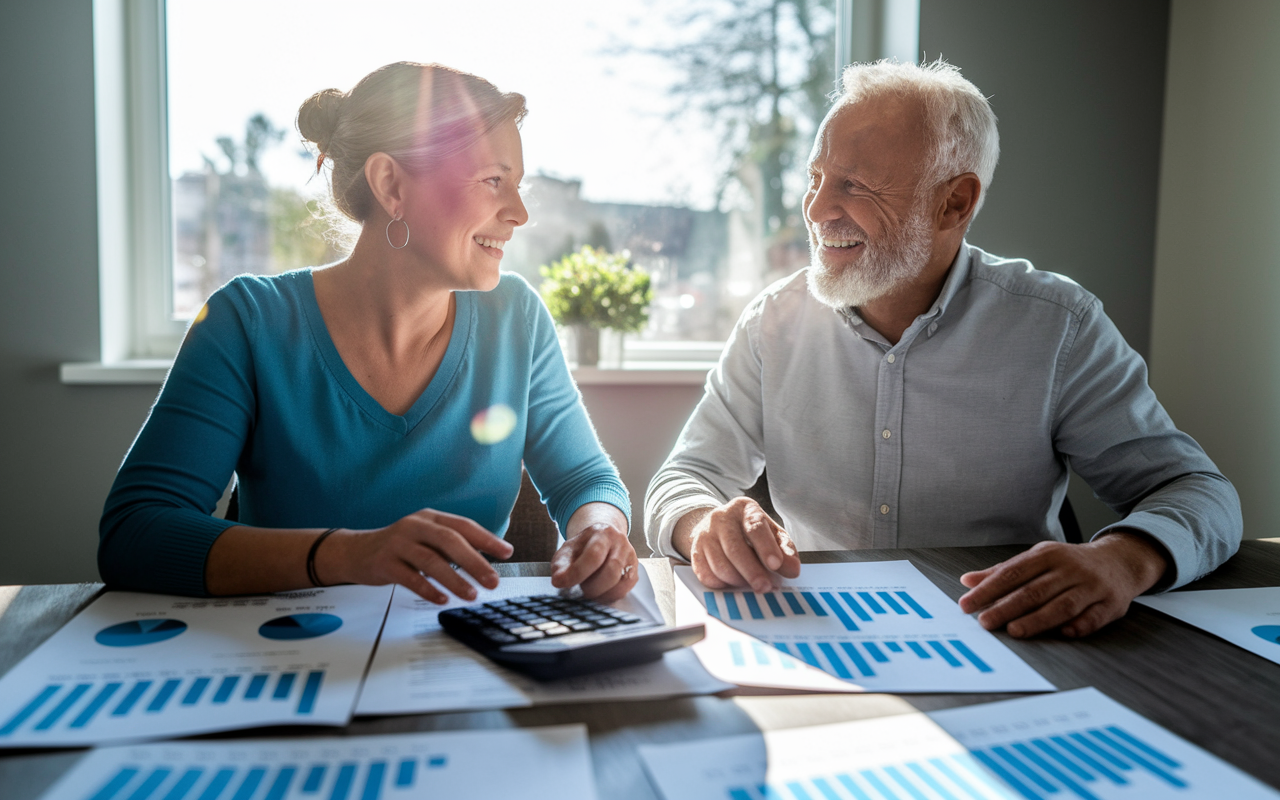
(139, 336)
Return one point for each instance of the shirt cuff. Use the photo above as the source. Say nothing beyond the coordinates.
(672, 514)
(1178, 544)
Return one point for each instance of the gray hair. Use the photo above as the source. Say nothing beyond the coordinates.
(960, 125)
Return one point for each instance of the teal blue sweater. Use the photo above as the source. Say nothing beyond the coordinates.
(259, 388)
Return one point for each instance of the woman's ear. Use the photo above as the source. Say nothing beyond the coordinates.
(386, 182)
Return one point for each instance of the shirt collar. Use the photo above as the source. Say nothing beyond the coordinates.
(957, 277)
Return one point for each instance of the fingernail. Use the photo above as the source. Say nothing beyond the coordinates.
(773, 562)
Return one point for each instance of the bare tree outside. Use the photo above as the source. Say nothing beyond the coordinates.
(761, 73)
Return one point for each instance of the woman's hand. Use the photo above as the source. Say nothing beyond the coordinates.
(597, 554)
(420, 546)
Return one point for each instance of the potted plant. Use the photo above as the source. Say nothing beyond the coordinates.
(593, 289)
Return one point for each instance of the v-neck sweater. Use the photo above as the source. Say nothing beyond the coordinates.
(259, 388)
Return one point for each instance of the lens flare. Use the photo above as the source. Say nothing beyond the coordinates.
(201, 314)
(493, 424)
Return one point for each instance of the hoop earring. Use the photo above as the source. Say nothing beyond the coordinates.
(406, 233)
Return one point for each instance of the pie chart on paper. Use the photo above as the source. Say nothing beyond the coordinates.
(299, 626)
(140, 632)
(1269, 632)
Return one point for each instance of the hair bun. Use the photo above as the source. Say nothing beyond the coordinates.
(318, 117)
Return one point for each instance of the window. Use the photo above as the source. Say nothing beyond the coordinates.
(674, 130)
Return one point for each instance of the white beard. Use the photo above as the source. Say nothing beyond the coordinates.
(885, 265)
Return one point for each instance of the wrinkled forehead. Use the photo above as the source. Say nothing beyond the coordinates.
(885, 135)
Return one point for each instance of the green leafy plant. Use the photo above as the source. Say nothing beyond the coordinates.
(597, 289)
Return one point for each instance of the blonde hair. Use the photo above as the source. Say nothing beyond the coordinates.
(419, 114)
(960, 125)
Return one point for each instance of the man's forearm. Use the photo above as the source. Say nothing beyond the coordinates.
(682, 534)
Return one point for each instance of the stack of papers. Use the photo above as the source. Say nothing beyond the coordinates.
(1077, 745)
(552, 763)
(875, 626)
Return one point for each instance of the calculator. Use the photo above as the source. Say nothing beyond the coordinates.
(551, 636)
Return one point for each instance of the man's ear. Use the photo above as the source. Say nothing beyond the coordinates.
(386, 182)
(960, 198)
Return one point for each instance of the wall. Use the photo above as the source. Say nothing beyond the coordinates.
(1078, 88)
(1215, 351)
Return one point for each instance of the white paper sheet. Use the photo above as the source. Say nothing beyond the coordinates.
(875, 626)
(552, 763)
(135, 666)
(419, 668)
(1248, 618)
(1077, 745)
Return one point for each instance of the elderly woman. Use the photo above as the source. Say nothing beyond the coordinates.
(376, 411)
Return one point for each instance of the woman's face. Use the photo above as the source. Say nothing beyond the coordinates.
(462, 213)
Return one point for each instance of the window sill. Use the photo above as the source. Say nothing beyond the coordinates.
(632, 373)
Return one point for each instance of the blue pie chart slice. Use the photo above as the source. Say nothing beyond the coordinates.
(300, 626)
(1269, 632)
(143, 631)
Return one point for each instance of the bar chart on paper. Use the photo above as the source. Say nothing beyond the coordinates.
(355, 768)
(135, 666)
(1076, 745)
(882, 626)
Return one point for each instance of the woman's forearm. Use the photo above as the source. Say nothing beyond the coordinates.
(246, 560)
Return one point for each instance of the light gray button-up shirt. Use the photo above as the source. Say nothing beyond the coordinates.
(960, 434)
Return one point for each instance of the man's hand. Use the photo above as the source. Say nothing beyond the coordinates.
(736, 545)
(1076, 588)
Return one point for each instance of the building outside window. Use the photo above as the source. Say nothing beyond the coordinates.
(674, 130)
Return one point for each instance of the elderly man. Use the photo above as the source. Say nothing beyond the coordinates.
(910, 390)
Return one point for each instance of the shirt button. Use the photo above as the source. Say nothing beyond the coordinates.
(884, 509)
(885, 433)
(891, 358)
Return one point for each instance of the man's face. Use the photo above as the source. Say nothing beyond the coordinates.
(869, 232)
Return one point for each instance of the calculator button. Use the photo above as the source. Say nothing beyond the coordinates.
(532, 635)
(558, 630)
(520, 630)
(500, 636)
(605, 623)
(543, 626)
(582, 626)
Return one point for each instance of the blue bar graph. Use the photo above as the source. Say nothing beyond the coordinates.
(250, 783)
(315, 777)
(256, 684)
(806, 653)
(875, 652)
(942, 650)
(731, 605)
(195, 691)
(834, 659)
(916, 607)
(167, 689)
(280, 786)
(871, 603)
(62, 707)
(893, 647)
(856, 606)
(225, 688)
(857, 659)
(26, 711)
(114, 784)
(373, 781)
(796, 608)
(753, 607)
(152, 782)
(712, 608)
(891, 603)
(813, 603)
(918, 649)
(219, 782)
(404, 775)
(774, 606)
(735, 652)
(309, 692)
(131, 699)
(184, 784)
(762, 653)
(284, 686)
(844, 618)
(96, 704)
(963, 649)
(342, 784)
(437, 762)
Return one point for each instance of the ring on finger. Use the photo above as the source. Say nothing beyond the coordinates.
(625, 572)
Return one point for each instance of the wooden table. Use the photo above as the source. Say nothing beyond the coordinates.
(1214, 694)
